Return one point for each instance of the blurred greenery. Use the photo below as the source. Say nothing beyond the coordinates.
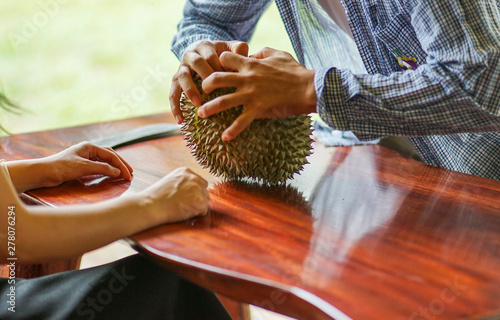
(75, 62)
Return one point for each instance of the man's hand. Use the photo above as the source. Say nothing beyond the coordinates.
(203, 60)
(269, 84)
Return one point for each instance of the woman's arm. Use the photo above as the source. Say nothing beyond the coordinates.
(44, 233)
(75, 162)
(217, 20)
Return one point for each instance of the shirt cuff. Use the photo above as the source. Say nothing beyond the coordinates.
(187, 43)
(330, 93)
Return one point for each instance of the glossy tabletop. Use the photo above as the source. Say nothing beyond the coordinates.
(362, 233)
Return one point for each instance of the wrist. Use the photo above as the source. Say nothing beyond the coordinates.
(27, 174)
(310, 98)
(50, 172)
(145, 204)
(135, 213)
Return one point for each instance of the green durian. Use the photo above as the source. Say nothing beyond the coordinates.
(268, 150)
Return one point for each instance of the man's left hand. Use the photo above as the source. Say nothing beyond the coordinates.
(269, 84)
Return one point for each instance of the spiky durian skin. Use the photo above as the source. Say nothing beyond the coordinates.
(268, 150)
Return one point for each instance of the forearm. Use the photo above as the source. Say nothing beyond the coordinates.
(217, 20)
(454, 88)
(29, 174)
(70, 164)
(428, 101)
(190, 34)
(45, 234)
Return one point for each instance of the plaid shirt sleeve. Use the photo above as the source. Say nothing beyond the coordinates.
(217, 20)
(456, 89)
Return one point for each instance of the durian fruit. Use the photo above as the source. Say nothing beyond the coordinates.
(268, 150)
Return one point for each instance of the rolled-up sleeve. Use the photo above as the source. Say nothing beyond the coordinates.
(213, 20)
(457, 88)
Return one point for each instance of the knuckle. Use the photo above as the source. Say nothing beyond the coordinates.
(174, 106)
(175, 77)
(246, 100)
(219, 45)
(197, 60)
(238, 123)
(85, 144)
(187, 54)
(212, 56)
(203, 43)
(251, 78)
(172, 94)
(183, 169)
(216, 78)
(223, 55)
(172, 99)
(175, 93)
(253, 92)
(225, 103)
(267, 50)
(252, 63)
(235, 43)
(184, 71)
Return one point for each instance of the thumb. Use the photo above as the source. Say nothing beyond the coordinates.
(232, 61)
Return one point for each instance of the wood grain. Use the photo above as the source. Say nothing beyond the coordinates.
(362, 233)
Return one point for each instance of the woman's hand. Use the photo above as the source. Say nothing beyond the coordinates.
(179, 196)
(269, 84)
(49, 234)
(75, 162)
(86, 159)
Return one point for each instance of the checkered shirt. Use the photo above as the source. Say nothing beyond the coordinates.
(448, 105)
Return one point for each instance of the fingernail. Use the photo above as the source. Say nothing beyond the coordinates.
(178, 119)
(201, 112)
(225, 137)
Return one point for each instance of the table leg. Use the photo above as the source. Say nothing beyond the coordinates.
(237, 310)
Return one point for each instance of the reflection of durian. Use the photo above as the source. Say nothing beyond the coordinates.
(282, 195)
(269, 150)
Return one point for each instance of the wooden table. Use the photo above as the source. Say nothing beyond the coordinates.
(362, 233)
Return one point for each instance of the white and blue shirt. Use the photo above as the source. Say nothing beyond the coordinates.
(433, 69)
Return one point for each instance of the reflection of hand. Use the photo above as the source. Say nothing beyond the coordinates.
(181, 195)
(269, 84)
(203, 60)
(70, 164)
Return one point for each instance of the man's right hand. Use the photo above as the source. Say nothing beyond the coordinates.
(203, 59)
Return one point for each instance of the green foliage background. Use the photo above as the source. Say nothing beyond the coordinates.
(75, 62)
